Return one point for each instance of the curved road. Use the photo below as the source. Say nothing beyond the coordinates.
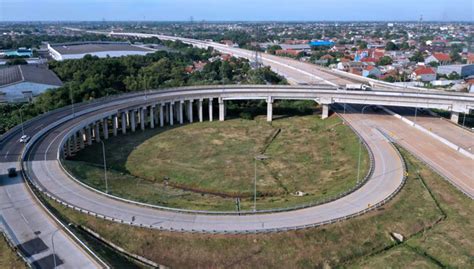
(44, 169)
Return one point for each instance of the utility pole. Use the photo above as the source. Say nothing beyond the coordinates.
(105, 167)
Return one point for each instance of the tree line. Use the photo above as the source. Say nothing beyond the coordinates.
(92, 77)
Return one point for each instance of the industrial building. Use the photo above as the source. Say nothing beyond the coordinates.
(20, 83)
(78, 50)
(463, 70)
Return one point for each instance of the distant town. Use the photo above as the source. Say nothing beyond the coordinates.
(423, 54)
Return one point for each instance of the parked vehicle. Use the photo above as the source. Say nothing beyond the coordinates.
(12, 172)
(358, 87)
(24, 139)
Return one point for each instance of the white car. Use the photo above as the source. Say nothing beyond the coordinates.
(24, 139)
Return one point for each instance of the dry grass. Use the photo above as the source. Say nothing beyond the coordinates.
(8, 257)
(345, 243)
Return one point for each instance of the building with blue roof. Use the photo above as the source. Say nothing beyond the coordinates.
(321, 43)
(21, 52)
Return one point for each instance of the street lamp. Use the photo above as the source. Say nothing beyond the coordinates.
(105, 168)
(72, 102)
(21, 119)
(259, 157)
(360, 149)
(54, 251)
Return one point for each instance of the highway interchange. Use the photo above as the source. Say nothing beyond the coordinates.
(28, 224)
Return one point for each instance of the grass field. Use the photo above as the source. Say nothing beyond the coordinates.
(8, 257)
(435, 219)
(209, 164)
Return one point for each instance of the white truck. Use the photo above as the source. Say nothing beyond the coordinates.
(358, 87)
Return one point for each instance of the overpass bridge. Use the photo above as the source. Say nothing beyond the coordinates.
(298, 71)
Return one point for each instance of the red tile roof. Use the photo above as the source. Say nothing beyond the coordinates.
(442, 57)
(424, 71)
(368, 60)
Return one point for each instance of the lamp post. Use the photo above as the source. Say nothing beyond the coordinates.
(260, 157)
(72, 103)
(360, 149)
(21, 119)
(105, 168)
(54, 251)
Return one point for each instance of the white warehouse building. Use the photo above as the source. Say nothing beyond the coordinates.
(77, 50)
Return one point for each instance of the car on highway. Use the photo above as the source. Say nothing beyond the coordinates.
(24, 139)
(12, 172)
(358, 87)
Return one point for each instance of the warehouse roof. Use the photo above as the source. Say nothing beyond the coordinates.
(28, 73)
(90, 47)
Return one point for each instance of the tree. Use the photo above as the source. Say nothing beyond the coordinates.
(17, 61)
(271, 49)
(454, 76)
(455, 57)
(385, 60)
(433, 64)
(391, 46)
(417, 57)
(405, 46)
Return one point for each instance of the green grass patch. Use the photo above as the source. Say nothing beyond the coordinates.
(360, 242)
(209, 164)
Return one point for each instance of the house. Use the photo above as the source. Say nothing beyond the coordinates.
(423, 73)
(196, 66)
(371, 70)
(440, 58)
(20, 83)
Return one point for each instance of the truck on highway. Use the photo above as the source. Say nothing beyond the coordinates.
(358, 87)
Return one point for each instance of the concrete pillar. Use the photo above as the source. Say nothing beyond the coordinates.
(221, 109)
(167, 113)
(162, 122)
(68, 147)
(152, 116)
(115, 124)
(325, 113)
(97, 132)
(105, 125)
(269, 109)
(124, 122)
(171, 107)
(81, 138)
(180, 112)
(89, 135)
(142, 118)
(455, 117)
(210, 109)
(133, 118)
(200, 110)
(75, 147)
(190, 111)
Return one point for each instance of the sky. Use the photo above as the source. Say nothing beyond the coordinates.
(236, 10)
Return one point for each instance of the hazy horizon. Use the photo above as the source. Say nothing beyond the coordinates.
(235, 11)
